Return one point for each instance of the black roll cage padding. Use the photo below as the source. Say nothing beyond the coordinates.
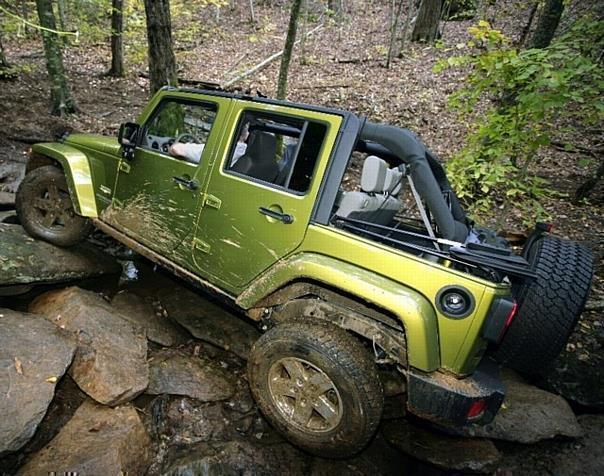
(513, 265)
(275, 129)
(402, 145)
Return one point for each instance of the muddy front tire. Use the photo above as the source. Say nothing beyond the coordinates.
(45, 209)
(549, 307)
(318, 386)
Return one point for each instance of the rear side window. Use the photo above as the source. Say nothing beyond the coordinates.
(276, 149)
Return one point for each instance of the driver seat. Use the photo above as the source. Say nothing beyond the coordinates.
(259, 158)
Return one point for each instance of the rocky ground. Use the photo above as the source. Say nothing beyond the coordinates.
(132, 371)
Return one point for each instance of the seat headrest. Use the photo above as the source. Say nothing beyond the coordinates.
(374, 173)
(394, 181)
(262, 146)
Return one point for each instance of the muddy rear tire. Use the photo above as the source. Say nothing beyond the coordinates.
(45, 208)
(549, 307)
(318, 386)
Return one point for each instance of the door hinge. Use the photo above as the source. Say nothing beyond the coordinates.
(211, 201)
(201, 245)
(124, 166)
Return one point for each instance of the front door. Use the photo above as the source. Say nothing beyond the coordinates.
(158, 191)
(261, 191)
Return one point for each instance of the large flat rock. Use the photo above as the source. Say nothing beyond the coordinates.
(563, 457)
(529, 414)
(34, 355)
(97, 440)
(475, 455)
(25, 261)
(174, 373)
(138, 311)
(7, 199)
(111, 362)
(11, 174)
(208, 321)
(237, 457)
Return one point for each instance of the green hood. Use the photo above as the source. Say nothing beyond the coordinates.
(98, 142)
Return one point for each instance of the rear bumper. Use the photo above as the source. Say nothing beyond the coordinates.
(448, 401)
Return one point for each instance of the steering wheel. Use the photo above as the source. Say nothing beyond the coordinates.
(186, 137)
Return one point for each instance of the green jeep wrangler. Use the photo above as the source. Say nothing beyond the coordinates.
(341, 238)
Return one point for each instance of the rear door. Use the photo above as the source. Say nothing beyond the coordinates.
(261, 190)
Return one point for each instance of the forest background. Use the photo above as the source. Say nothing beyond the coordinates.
(507, 93)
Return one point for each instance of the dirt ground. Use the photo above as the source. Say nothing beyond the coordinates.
(344, 68)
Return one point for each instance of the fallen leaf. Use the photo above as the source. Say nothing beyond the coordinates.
(51, 379)
(18, 366)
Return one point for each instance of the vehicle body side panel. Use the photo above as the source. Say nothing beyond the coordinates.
(457, 354)
(414, 310)
(459, 347)
(104, 156)
(76, 167)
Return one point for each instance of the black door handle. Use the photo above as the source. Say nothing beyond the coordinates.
(284, 217)
(190, 184)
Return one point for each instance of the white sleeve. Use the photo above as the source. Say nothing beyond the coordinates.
(193, 152)
(239, 151)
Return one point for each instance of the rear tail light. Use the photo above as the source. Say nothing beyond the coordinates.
(476, 409)
(509, 319)
(500, 317)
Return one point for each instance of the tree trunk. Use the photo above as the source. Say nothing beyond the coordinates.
(62, 102)
(24, 14)
(287, 50)
(304, 14)
(529, 23)
(428, 19)
(162, 63)
(3, 60)
(395, 16)
(62, 20)
(405, 33)
(117, 39)
(252, 14)
(548, 23)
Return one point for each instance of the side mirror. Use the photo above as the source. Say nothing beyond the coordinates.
(128, 137)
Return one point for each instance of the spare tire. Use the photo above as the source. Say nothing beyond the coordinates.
(549, 307)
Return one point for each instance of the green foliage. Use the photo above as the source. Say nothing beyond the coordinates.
(526, 97)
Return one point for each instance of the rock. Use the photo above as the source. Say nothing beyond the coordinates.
(583, 457)
(444, 451)
(11, 174)
(26, 261)
(237, 457)
(578, 372)
(160, 330)
(181, 420)
(528, 415)
(9, 216)
(586, 458)
(7, 199)
(379, 458)
(67, 399)
(174, 373)
(97, 440)
(208, 321)
(111, 362)
(34, 355)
